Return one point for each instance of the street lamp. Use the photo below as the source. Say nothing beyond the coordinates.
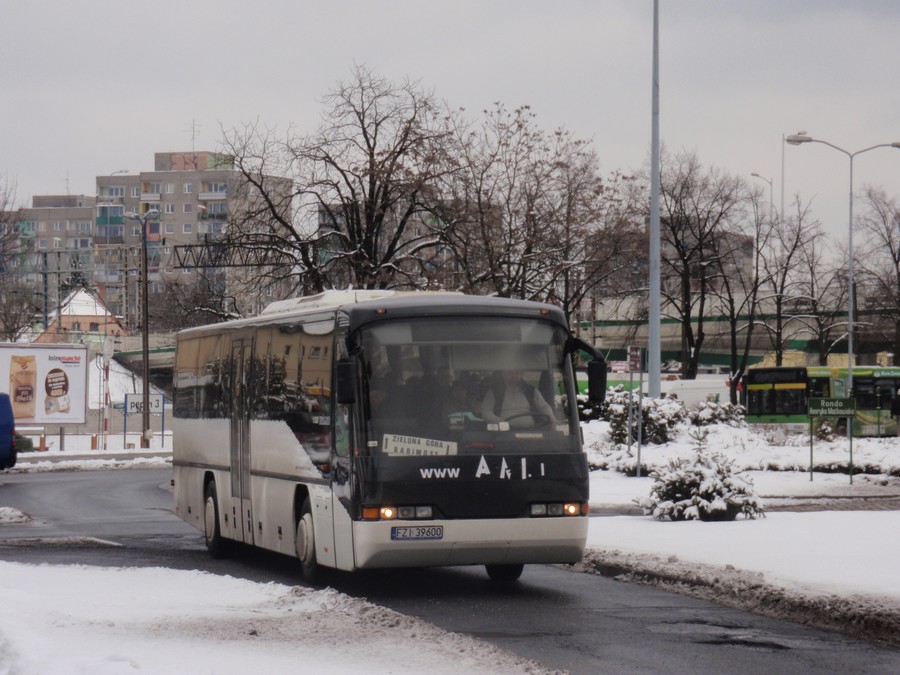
(771, 203)
(798, 139)
(142, 218)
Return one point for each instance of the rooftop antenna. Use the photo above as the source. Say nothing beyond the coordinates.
(195, 131)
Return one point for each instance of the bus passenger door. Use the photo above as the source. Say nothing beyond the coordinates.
(241, 358)
(342, 487)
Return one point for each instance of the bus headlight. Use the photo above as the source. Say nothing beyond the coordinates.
(419, 512)
(559, 509)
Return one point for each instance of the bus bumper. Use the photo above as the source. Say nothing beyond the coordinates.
(471, 542)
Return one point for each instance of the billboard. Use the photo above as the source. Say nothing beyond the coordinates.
(47, 384)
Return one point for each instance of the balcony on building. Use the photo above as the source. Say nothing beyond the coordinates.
(212, 196)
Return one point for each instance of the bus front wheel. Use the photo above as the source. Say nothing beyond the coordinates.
(215, 544)
(305, 543)
(504, 573)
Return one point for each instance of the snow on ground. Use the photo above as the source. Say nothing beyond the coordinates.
(79, 619)
(831, 568)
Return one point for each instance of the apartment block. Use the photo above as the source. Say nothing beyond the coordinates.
(95, 241)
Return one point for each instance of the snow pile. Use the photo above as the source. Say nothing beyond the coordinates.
(11, 515)
(78, 619)
(829, 569)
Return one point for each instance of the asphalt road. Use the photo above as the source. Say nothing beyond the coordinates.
(568, 621)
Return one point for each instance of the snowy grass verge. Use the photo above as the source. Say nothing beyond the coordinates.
(861, 616)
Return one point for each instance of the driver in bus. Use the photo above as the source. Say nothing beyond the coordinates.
(511, 399)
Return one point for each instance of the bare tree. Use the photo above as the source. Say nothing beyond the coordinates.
(195, 301)
(783, 254)
(18, 303)
(821, 305)
(348, 207)
(880, 268)
(526, 214)
(9, 235)
(737, 291)
(490, 209)
(699, 209)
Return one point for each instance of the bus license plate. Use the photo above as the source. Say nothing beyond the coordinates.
(417, 533)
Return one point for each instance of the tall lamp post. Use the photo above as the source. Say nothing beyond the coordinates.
(771, 203)
(798, 139)
(142, 218)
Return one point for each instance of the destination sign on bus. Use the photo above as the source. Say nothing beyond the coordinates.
(832, 407)
(412, 446)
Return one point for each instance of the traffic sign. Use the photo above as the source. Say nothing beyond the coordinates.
(832, 407)
(134, 403)
(635, 358)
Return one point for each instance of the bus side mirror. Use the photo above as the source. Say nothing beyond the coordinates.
(596, 369)
(345, 381)
(596, 381)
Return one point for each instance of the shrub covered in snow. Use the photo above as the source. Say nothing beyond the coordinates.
(718, 413)
(658, 417)
(825, 431)
(702, 487)
(588, 412)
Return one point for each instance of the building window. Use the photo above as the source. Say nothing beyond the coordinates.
(188, 208)
(59, 226)
(42, 243)
(170, 208)
(135, 191)
(153, 188)
(188, 228)
(116, 191)
(136, 231)
(170, 228)
(188, 188)
(57, 242)
(170, 188)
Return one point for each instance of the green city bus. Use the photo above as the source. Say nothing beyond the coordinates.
(779, 397)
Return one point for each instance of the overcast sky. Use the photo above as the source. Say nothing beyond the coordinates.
(97, 86)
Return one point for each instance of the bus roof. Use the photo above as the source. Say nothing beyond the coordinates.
(364, 306)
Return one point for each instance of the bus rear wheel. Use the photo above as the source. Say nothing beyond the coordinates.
(212, 533)
(305, 543)
(504, 573)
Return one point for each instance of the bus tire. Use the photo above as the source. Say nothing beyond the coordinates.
(504, 573)
(212, 532)
(305, 543)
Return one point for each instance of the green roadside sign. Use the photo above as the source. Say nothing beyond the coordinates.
(832, 407)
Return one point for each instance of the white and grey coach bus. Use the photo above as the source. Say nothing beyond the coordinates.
(363, 429)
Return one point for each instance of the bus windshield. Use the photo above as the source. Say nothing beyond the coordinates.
(439, 386)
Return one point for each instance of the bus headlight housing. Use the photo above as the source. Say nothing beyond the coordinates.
(555, 509)
(418, 512)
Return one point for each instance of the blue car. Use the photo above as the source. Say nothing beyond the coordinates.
(7, 434)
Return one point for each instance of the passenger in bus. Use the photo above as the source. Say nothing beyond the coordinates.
(455, 401)
(511, 399)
